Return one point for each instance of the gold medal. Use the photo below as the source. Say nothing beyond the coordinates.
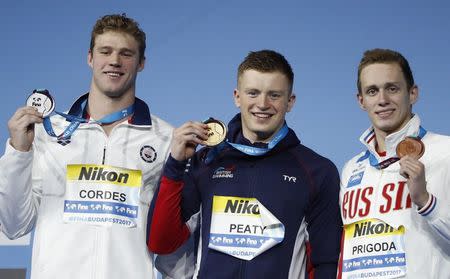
(410, 146)
(217, 132)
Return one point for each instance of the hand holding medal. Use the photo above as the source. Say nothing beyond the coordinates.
(21, 124)
(409, 151)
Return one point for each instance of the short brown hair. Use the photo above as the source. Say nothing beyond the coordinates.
(385, 56)
(267, 61)
(119, 23)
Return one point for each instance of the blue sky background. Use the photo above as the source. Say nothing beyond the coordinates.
(194, 48)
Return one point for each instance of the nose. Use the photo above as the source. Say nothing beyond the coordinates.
(263, 101)
(115, 60)
(383, 98)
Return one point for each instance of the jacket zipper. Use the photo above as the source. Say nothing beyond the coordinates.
(104, 155)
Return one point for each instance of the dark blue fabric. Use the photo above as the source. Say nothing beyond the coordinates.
(314, 196)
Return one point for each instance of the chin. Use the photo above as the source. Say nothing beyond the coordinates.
(114, 94)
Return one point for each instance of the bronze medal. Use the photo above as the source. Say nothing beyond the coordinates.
(410, 146)
(217, 132)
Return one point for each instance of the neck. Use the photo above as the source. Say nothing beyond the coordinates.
(260, 136)
(100, 105)
(381, 135)
(380, 142)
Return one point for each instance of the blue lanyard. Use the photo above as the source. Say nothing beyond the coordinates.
(386, 163)
(75, 121)
(258, 151)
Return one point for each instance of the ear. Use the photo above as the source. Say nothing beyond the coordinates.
(89, 58)
(291, 102)
(237, 98)
(360, 99)
(413, 94)
(141, 64)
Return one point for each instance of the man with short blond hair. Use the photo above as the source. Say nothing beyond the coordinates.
(268, 204)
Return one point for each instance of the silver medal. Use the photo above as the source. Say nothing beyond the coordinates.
(42, 101)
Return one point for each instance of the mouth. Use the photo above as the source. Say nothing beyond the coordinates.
(113, 74)
(385, 113)
(262, 115)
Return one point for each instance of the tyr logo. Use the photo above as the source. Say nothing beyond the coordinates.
(289, 178)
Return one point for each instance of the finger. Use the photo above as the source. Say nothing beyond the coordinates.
(27, 110)
(24, 123)
(413, 166)
(404, 173)
(193, 124)
(25, 113)
(197, 130)
(192, 139)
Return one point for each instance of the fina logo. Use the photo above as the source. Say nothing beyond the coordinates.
(148, 154)
(355, 179)
(224, 172)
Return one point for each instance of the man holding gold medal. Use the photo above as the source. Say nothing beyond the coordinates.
(268, 205)
(395, 198)
(84, 180)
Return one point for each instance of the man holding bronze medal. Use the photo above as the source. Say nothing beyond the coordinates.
(268, 205)
(395, 198)
(84, 180)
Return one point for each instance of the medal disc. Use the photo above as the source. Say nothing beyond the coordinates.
(410, 146)
(42, 101)
(217, 132)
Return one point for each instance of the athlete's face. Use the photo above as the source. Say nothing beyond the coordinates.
(263, 99)
(385, 97)
(115, 63)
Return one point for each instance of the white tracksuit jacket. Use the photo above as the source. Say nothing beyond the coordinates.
(32, 193)
(369, 192)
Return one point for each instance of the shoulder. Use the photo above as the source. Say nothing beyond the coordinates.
(310, 159)
(360, 159)
(161, 126)
(436, 147)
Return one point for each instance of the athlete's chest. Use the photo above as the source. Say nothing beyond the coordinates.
(373, 193)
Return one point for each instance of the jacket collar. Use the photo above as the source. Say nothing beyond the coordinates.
(411, 129)
(141, 116)
(235, 135)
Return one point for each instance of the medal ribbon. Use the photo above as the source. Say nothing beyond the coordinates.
(386, 163)
(75, 121)
(258, 151)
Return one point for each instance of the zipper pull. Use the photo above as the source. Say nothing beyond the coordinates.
(104, 155)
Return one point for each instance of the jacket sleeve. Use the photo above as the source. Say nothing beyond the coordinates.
(437, 211)
(20, 190)
(324, 226)
(168, 230)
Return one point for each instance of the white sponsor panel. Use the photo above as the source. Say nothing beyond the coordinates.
(243, 227)
(373, 249)
(102, 195)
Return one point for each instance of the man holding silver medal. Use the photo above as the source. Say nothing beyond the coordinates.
(395, 202)
(268, 205)
(84, 180)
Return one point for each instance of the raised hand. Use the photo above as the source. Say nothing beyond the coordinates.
(186, 138)
(21, 127)
(414, 171)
